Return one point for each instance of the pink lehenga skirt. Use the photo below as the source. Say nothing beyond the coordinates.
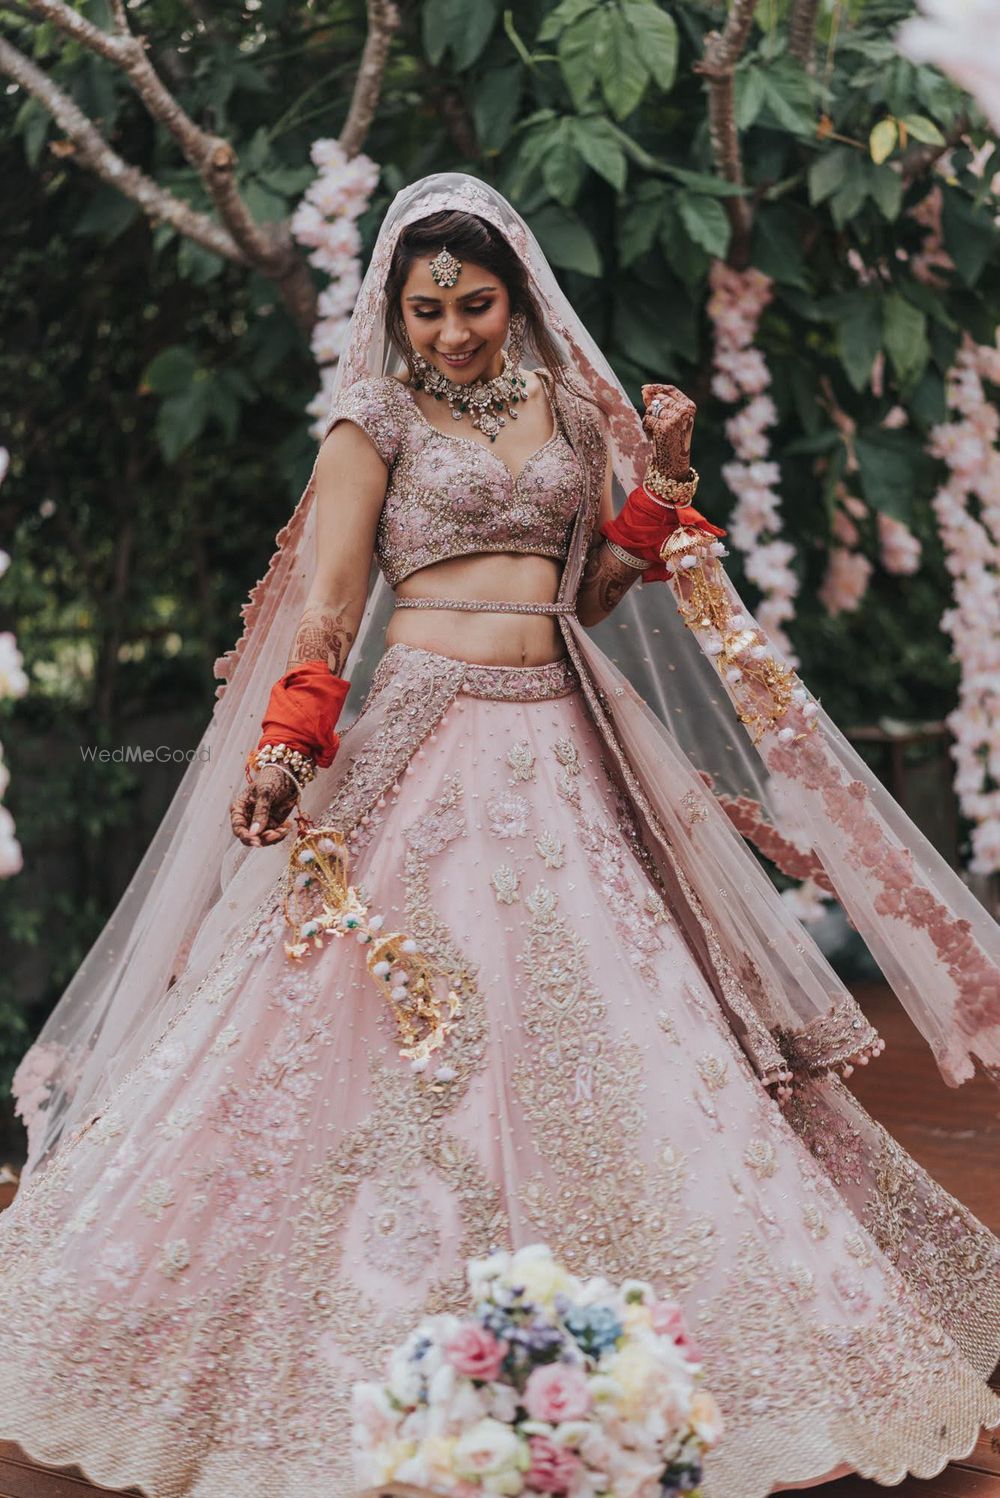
(273, 1197)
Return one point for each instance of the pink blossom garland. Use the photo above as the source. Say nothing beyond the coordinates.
(970, 533)
(741, 375)
(326, 222)
(13, 683)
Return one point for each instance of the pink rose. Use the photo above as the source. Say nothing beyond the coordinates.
(668, 1321)
(475, 1351)
(553, 1467)
(557, 1391)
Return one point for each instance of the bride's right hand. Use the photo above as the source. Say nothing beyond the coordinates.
(259, 814)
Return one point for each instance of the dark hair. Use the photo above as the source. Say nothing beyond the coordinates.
(471, 238)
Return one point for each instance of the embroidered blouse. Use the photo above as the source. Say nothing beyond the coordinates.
(450, 496)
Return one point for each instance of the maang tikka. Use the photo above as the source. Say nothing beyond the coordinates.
(484, 400)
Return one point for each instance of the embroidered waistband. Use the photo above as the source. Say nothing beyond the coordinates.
(497, 683)
(520, 683)
(486, 605)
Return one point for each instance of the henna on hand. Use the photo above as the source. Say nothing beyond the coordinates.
(670, 429)
(266, 803)
(606, 579)
(322, 635)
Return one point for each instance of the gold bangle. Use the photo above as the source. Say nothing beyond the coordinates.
(670, 491)
(287, 759)
(626, 556)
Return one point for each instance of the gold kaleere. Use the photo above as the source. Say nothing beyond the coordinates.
(319, 901)
(741, 655)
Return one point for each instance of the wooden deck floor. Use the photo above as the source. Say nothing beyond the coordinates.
(955, 1134)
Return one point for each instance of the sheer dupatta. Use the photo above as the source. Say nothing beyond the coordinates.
(683, 739)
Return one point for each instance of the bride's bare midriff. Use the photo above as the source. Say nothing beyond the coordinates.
(504, 639)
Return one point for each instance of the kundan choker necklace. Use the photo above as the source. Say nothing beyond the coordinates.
(484, 400)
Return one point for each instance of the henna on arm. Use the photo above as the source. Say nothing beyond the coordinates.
(605, 581)
(324, 634)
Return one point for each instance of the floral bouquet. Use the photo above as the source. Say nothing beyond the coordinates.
(552, 1385)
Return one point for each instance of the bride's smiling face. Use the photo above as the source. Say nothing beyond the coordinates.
(459, 329)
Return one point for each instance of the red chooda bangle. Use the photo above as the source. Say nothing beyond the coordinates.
(643, 526)
(303, 707)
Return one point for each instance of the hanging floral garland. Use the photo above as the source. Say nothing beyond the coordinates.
(741, 375)
(13, 683)
(967, 507)
(326, 222)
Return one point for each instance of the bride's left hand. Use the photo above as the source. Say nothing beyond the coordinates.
(670, 427)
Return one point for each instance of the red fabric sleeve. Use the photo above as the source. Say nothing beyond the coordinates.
(643, 526)
(303, 707)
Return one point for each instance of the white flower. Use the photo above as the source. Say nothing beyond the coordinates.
(489, 1449)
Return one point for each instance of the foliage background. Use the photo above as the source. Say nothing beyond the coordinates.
(152, 394)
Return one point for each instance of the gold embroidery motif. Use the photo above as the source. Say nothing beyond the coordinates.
(579, 1090)
(714, 1071)
(814, 1221)
(522, 761)
(505, 881)
(802, 1280)
(759, 1155)
(694, 806)
(507, 815)
(885, 1396)
(550, 850)
(666, 1024)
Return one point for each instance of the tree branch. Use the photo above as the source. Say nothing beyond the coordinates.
(269, 247)
(92, 151)
(723, 50)
(383, 21)
(802, 31)
(210, 155)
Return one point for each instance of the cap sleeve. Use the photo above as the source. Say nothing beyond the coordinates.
(373, 405)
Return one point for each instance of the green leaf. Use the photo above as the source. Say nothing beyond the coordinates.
(923, 129)
(851, 193)
(704, 182)
(893, 467)
(886, 188)
(172, 371)
(789, 98)
(905, 338)
(495, 102)
(750, 96)
(706, 222)
(565, 240)
(883, 139)
(777, 247)
(464, 29)
(969, 234)
(827, 173)
(600, 148)
(857, 321)
(638, 222)
(622, 70)
(641, 331)
(564, 15)
(927, 402)
(579, 55)
(656, 34)
(107, 214)
(562, 166)
(33, 122)
(181, 420)
(683, 255)
(478, 21)
(267, 207)
(196, 264)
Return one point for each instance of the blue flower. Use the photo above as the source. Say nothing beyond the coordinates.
(594, 1327)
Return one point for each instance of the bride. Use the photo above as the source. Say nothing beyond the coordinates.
(249, 1175)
